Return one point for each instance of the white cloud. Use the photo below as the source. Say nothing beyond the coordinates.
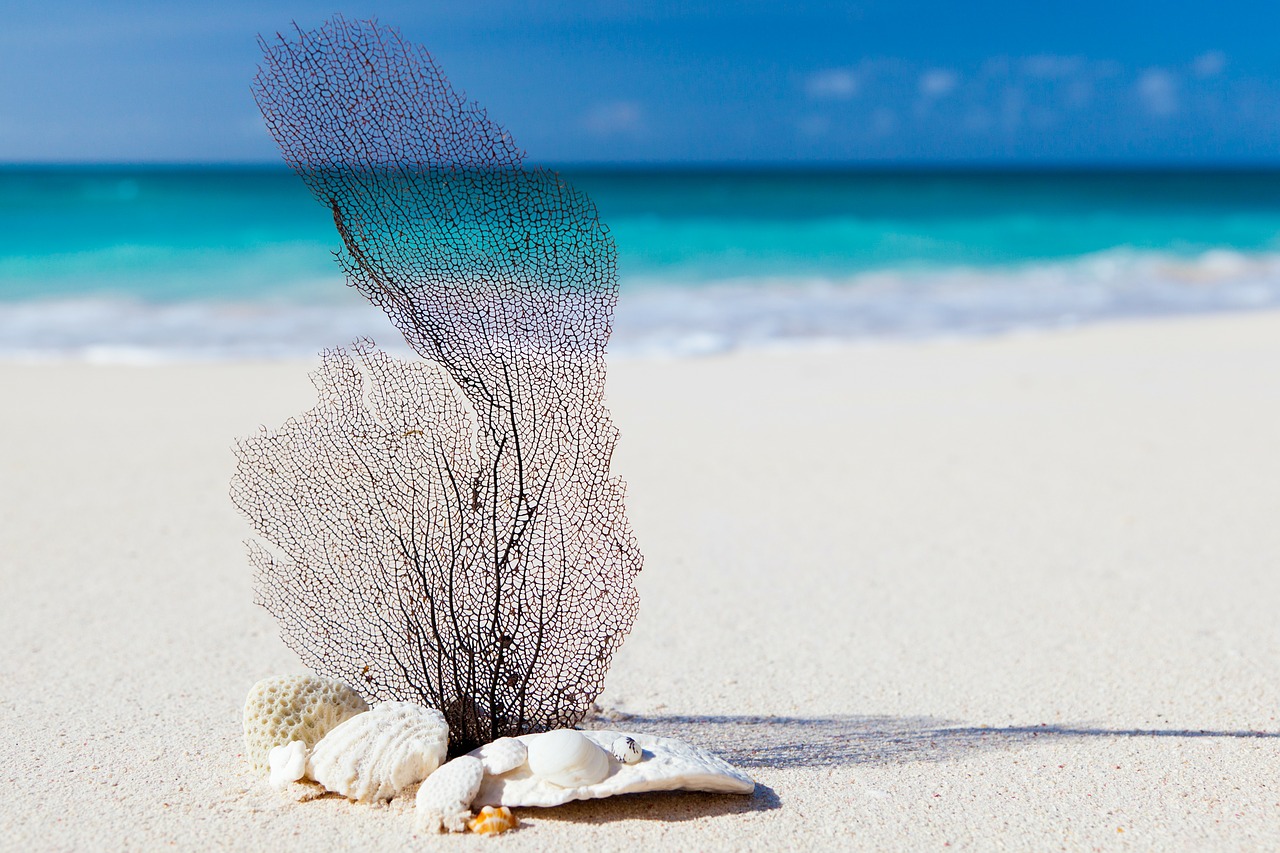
(938, 82)
(1042, 118)
(1048, 67)
(1079, 94)
(614, 118)
(1045, 65)
(977, 120)
(814, 126)
(884, 122)
(996, 66)
(1158, 91)
(1209, 64)
(1013, 103)
(836, 84)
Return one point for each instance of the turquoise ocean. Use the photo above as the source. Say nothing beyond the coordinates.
(154, 264)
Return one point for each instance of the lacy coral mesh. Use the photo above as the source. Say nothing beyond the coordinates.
(445, 531)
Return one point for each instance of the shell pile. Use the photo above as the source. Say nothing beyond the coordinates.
(377, 754)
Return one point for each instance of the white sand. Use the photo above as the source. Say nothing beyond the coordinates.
(1016, 593)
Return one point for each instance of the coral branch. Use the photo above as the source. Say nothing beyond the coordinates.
(448, 531)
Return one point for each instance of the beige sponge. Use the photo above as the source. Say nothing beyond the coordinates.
(286, 708)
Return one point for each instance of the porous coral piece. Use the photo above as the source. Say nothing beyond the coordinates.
(376, 755)
(444, 800)
(492, 821)
(286, 708)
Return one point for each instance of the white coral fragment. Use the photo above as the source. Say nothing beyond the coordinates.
(288, 763)
(287, 708)
(667, 764)
(502, 755)
(444, 800)
(376, 755)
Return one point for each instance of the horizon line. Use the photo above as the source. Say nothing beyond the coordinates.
(721, 166)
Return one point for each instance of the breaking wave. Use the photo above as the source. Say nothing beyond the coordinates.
(672, 317)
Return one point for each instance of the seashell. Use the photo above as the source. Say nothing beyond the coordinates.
(669, 765)
(377, 754)
(626, 750)
(492, 821)
(288, 763)
(502, 755)
(567, 758)
(444, 800)
(286, 708)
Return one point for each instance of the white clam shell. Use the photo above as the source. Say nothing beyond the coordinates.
(567, 758)
(375, 755)
(444, 800)
(669, 765)
(626, 750)
(288, 763)
(501, 755)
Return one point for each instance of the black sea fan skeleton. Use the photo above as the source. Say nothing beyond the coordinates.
(444, 530)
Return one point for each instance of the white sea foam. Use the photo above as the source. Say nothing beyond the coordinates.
(673, 318)
(966, 301)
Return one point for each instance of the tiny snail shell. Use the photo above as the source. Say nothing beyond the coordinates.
(493, 821)
(626, 750)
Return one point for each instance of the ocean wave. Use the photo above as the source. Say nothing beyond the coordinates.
(671, 317)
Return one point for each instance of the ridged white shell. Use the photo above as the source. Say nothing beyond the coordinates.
(377, 754)
(566, 758)
(444, 800)
(667, 764)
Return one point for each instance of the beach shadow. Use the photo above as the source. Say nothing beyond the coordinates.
(837, 740)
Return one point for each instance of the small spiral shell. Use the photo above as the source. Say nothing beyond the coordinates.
(492, 821)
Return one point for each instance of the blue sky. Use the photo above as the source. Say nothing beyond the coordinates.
(687, 82)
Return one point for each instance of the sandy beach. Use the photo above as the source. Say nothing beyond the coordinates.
(1006, 593)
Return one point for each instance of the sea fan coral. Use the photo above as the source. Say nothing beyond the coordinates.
(445, 531)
